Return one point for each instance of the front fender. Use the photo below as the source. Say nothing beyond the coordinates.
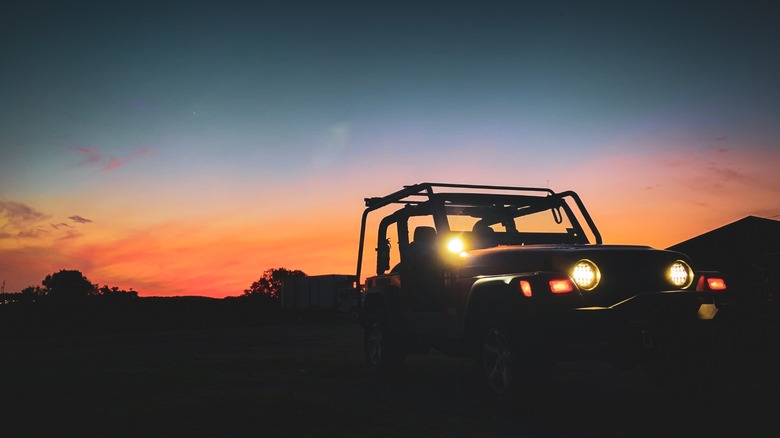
(493, 297)
(502, 297)
(387, 300)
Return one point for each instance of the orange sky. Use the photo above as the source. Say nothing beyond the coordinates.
(658, 199)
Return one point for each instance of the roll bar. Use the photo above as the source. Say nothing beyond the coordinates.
(422, 192)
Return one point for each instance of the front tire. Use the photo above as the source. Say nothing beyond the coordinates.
(509, 369)
(497, 361)
(382, 346)
(678, 356)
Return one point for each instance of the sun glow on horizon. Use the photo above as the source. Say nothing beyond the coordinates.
(314, 227)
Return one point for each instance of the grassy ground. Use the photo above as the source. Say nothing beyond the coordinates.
(309, 380)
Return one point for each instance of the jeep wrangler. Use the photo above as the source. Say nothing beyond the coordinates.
(518, 278)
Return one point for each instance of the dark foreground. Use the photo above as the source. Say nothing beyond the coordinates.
(309, 380)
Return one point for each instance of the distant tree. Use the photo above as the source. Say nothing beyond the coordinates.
(32, 290)
(31, 294)
(68, 286)
(269, 286)
(105, 290)
(114, 293)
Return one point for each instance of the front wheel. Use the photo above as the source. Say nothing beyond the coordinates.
(678, 356)
(497, 365)
(509, 370)
(383, 349)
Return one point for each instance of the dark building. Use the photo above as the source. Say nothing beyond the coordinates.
(747, 252)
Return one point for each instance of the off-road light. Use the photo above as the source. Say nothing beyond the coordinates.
(586, 274)
(680, 274)
(455, 245)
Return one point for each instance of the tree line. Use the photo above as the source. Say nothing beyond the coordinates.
(65, 286)
(72, 286)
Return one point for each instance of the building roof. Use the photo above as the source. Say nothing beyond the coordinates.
(737, 249)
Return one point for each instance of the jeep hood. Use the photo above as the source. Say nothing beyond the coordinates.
(626, 270)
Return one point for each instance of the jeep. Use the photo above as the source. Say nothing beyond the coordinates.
(518, 278)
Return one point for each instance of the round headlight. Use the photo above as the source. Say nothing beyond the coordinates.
(680, 274)
(586, 274)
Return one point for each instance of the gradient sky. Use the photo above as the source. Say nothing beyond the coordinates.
(181, 148)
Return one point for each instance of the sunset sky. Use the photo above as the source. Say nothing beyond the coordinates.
(182, 148)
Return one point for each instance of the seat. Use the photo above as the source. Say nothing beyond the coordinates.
(424, 236)
(422, 270)
(483, 235)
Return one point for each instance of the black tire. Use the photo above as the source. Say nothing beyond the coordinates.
(383, 347)
(510, 369)
(678, 357)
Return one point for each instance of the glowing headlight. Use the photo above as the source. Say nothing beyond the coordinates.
(680, 274)
(586, 274)
(455, 245)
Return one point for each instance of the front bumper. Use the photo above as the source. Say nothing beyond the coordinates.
(680, 304)
(623, 333)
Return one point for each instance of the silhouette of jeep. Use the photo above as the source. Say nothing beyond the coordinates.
(518, 278)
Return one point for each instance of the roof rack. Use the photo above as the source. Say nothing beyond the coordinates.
(408, 194)
(426, 189)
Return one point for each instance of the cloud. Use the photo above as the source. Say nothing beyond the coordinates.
(79, 219)
(113, 163)
(70, 234)
(20, 221)
(93, 157)
(90, 155)
(20, 215)
(726, 174)
(32, 233)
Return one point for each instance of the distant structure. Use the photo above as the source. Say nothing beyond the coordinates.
(747, 252)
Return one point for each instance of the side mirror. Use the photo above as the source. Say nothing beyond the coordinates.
(383, 257)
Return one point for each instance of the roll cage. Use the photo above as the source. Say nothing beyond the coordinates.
(492, 205)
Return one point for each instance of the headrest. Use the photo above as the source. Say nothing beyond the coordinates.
(425, 234)
(482, 228)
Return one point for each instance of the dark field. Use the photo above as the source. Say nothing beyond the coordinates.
(309, 380)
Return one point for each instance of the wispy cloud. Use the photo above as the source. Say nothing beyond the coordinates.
(113, 163)
(728, 174)
(93, 157)
(31, 233)
(89, 156)
(79, 219)
(21, 221)
(20, 215)
(70, 234)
